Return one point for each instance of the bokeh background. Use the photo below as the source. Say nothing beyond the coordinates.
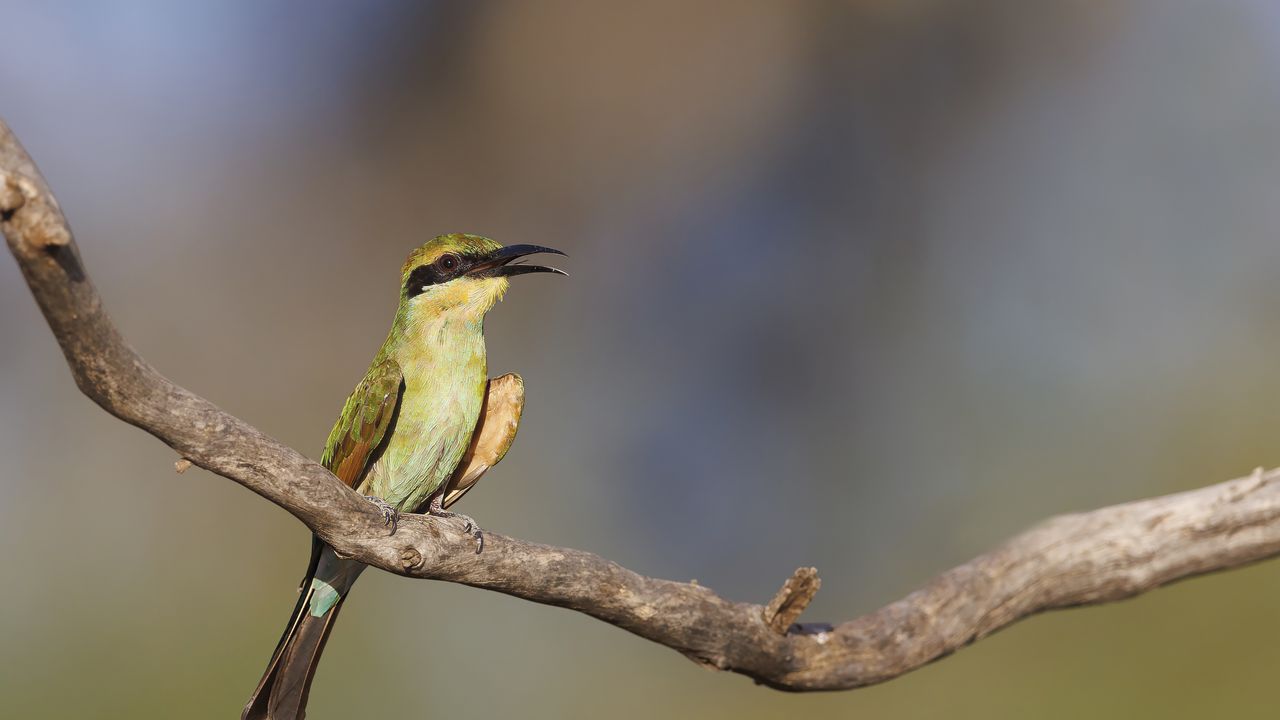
(869, 285)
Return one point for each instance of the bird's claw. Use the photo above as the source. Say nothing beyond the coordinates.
(471, 527)
(390, 515)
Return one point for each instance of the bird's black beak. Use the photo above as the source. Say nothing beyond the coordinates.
(498, 263)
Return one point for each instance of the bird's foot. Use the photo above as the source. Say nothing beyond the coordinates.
(436, 509)
(390, 515)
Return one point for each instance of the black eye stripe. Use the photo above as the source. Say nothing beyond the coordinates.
(435, 273)
(419, 279)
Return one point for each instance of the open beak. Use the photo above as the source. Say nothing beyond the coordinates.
(499, 263)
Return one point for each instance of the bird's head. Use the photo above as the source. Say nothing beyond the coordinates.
(459, 274)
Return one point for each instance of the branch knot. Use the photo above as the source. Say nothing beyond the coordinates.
(410, 558)
(12, 198)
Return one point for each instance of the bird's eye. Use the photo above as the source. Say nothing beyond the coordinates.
(448, 262)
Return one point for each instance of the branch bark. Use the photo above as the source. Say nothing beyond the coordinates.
(1079, 559)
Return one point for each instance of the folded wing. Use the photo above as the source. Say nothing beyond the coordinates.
(494, 433)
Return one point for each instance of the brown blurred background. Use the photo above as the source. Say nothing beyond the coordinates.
(868, 285)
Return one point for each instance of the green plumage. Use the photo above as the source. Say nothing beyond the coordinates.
(438, 363)
(402, 431)
(428, 380)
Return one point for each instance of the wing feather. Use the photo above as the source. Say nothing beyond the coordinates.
(368, 414)
(494, 433)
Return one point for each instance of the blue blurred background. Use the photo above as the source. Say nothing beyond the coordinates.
(869, 285)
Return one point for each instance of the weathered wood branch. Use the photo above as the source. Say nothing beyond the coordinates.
(1078, 559)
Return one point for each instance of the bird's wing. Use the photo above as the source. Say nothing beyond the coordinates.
(494, 433)
(369, 412)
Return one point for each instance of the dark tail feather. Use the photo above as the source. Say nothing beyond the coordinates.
(282, 692)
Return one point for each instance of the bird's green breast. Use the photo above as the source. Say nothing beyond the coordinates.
(444, 368)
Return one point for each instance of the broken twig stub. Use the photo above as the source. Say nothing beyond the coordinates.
(790, 601)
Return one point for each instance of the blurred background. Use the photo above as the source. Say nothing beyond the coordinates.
(869, 285)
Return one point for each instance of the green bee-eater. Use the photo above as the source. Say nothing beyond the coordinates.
(417, 432)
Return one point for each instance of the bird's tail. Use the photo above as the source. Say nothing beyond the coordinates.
(282, 692)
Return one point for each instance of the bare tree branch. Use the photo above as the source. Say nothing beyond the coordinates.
(1079, 559)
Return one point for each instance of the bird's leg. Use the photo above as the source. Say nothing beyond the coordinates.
(390, 515)
(436, 508)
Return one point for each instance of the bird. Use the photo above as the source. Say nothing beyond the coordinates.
(417, 433)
